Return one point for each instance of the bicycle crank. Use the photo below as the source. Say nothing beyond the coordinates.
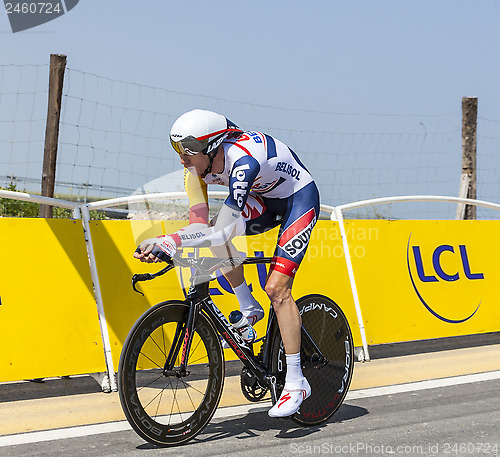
(250, 386)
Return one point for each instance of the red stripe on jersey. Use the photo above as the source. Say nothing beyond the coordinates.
(177, 239)
(241, 147)
(300, 224)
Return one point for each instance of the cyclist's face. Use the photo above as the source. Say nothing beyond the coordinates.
(197, 163)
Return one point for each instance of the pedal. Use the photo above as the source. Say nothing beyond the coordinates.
(272, 388)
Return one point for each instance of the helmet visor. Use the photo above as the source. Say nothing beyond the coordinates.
(189, 145)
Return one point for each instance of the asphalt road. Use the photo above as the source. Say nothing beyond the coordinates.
(433, 404)
(462, 419)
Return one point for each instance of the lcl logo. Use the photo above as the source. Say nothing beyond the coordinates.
(415, 256)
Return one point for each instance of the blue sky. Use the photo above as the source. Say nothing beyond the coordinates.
(382, 57)
(388, 56)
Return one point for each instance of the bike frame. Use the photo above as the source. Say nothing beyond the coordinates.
(198, 299)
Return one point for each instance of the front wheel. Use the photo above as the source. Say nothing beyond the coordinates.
(169, 408)
(328, 327)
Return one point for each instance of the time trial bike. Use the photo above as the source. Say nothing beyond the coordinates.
(171, 371)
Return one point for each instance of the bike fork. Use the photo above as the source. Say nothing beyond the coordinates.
(182, 339)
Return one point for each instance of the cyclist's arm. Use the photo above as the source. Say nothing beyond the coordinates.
(230, 222)
(196, 190)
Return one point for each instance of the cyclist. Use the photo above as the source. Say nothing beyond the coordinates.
(268, 186)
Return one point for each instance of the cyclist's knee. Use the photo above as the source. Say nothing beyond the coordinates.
(277, 293)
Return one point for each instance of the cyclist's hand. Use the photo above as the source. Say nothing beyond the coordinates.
(160, 249)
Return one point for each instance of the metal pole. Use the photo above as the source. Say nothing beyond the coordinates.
(347, 255)
(77, 214)
(98, 298)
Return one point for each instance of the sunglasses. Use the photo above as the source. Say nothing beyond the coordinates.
(189, 146)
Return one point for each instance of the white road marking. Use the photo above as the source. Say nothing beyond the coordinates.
(422, 385)
(110, 427)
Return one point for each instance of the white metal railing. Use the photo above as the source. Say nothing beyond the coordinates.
(98, 299)
(23, 196)
(340, 219)
(337, 215)
(81, 211)
(139, 198)
(416, 198)
(168, 196)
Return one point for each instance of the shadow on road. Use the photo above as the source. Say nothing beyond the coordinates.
(254, 424)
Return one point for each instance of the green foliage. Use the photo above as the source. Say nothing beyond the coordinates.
(375, 212)
(96, 215)
(17, 208)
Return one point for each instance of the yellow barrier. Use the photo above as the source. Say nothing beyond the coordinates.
(115, 241)
(114, 244)
(415, 279)
(426, 279)
(48, 317)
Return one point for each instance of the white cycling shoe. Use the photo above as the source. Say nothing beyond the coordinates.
(290, 400)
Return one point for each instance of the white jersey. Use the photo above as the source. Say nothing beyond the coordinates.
(258, 163)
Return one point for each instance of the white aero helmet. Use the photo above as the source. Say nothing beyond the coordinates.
(200, 131)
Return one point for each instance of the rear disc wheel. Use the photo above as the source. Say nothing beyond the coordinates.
(327, 325)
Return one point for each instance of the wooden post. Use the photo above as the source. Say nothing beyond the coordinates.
(469, 151)
(56, 77)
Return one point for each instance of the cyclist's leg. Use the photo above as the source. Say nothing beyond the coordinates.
(257, 219)
(293, 239)
(297, 388)
(279, 289)
(249, 306)
(327, 363)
